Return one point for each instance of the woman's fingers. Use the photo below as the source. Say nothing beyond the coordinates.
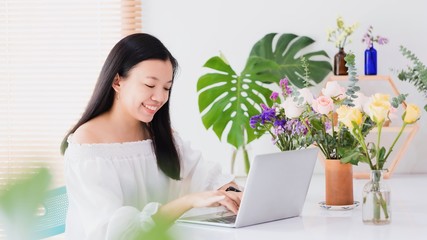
(230, 200)
(235, 196)
(214, 201)
(230, 204)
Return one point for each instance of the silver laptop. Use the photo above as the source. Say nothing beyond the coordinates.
(275, 189)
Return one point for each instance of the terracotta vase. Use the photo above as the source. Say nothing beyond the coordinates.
(339, 183)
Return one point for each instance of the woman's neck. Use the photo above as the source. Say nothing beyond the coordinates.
(124, 127)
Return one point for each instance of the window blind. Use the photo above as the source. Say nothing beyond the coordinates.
(51, 52)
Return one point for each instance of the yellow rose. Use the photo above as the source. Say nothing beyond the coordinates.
(381, 97)
(348, 115)
(412, 113)
(379, 107)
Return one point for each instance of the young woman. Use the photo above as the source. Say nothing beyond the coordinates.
(125, 168)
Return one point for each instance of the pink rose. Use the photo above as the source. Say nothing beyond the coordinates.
(323, 105)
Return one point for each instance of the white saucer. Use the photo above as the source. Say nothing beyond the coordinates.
(322, 204)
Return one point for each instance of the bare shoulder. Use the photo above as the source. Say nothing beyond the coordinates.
(89, 133)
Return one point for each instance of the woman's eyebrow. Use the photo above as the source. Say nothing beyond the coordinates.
(155, 78)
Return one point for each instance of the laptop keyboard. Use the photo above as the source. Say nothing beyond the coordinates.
(227, 219)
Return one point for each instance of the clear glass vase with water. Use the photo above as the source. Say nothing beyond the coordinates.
(376, 200)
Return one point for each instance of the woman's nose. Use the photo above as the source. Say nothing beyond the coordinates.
(160, 95)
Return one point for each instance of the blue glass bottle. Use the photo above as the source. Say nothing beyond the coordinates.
(371, 61)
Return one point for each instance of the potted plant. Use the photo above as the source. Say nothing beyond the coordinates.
(335, 141)
(227, 98)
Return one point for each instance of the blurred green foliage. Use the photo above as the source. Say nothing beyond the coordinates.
(19, 201)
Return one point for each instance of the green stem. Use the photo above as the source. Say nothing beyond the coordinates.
(326, 140)
(246, 159)
(362, 142)
(395, 140)
(377, 153)
(383, 205)
(233, 160)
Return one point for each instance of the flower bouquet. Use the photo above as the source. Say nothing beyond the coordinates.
(376, 195)
(284, 120)
(335, 140)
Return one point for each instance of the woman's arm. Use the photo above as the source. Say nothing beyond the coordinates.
(171, 211)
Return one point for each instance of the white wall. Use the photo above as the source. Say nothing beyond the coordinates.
(196, 30)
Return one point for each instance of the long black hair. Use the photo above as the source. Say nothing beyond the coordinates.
(128, 52)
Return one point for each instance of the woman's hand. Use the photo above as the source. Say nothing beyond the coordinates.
(171, 211)
(230, 200)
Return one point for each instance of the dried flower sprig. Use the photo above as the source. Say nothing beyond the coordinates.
(340, 35)
(369, 38)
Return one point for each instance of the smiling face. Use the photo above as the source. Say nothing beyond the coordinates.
(145, 90)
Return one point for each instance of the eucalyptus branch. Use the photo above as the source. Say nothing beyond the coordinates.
(416, 74)
(305, 66)
(352, 73)
(396, 101)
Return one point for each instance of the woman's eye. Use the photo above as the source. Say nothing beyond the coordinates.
(150, 86)
(167, 89)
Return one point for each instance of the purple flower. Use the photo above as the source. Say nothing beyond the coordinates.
(382, 40)
(267, 114)
(369, 38)
(286, 89)
(274, 96)
(254, 121)
(279, 130)
(284, 82)
(279, 122)
(328, 125)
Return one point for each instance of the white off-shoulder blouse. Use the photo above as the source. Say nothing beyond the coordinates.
(115, 188)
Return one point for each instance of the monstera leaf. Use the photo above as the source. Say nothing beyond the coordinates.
(287, 53)
(228, 99)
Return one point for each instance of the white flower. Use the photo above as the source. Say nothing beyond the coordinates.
(333, 89)
(307, 95)
(292, 109)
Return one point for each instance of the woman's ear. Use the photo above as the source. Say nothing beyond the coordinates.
(116, 83)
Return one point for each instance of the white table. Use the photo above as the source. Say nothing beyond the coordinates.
(409, 217)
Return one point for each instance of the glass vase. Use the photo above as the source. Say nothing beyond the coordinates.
(371, 61)
(376, 200)
(339, 63)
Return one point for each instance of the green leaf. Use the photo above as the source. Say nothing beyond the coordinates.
(317, 124)
(381, 159)
(19, 201)
(229, 99)
(287, 52)
(218, 64)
